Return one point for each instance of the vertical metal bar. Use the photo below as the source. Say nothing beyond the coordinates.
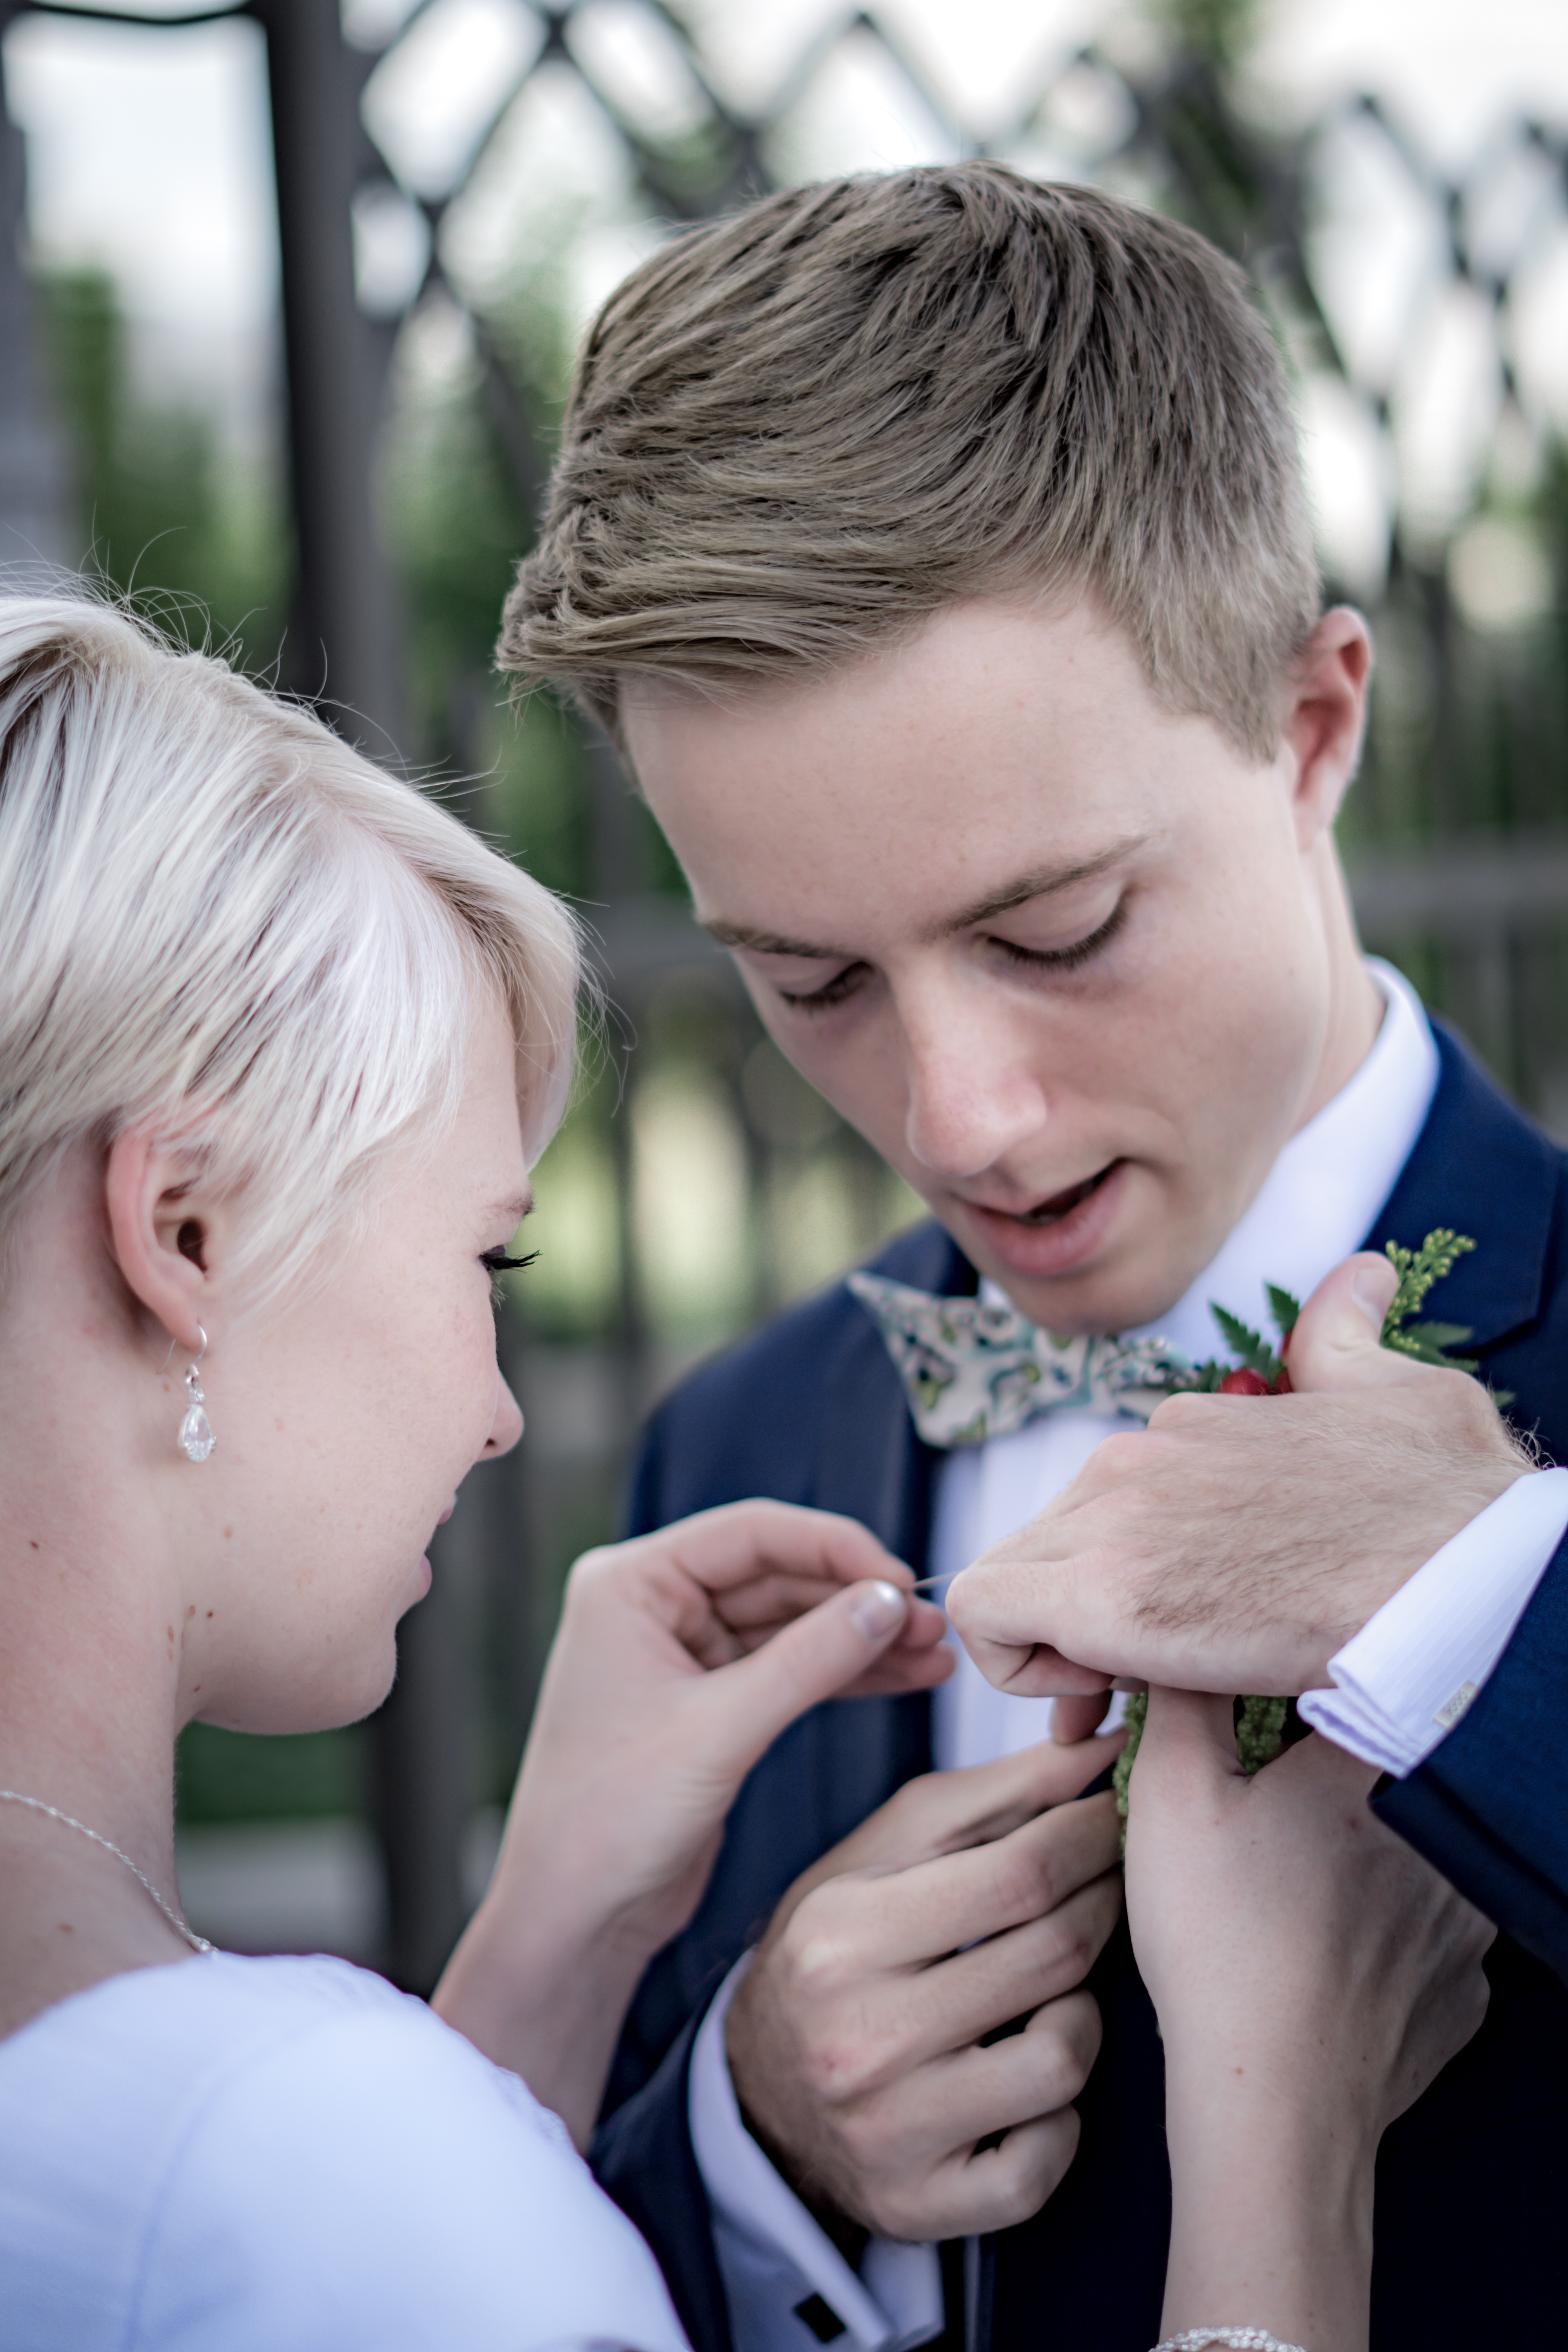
(344, 653)
(344, 641)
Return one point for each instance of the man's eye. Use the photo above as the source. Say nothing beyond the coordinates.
(843, 984)
(1066, 959)
(496, 1261)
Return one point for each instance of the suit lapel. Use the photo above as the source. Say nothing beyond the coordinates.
(1483, 1169)
(872, 1467)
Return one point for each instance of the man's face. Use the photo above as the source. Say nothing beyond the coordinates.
(1077, 967)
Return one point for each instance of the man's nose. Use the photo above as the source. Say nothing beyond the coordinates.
(974, 1095)
(507, 1426)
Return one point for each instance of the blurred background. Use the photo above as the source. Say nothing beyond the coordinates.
(288, 299)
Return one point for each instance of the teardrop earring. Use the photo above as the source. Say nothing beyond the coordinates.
(197, 1430)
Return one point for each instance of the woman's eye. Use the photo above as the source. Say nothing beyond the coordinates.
(496, 1261)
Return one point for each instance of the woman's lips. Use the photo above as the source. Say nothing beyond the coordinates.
(1058, 1235)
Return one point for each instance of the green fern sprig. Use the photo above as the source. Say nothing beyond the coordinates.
(1417, 1271)
(1286, 1310)
(1250, 1347)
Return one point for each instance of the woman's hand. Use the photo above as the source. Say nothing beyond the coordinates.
(1312, 1975)
(680, 1656)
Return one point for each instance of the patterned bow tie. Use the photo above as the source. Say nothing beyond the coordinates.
(972, 1372)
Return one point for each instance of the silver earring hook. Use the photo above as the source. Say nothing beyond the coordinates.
(173, 1344)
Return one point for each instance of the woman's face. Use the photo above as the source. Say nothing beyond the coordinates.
(343, 1428)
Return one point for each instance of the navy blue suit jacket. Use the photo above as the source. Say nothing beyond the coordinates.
(1473, 2183)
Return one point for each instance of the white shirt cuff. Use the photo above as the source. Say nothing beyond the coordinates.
(772, 2257)
(1407, 1678)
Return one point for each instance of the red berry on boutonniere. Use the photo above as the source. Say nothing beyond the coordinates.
(1244, 1383)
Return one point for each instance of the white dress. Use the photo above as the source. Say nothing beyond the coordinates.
(286, 2155)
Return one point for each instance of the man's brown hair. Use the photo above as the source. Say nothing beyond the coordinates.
(798, 432)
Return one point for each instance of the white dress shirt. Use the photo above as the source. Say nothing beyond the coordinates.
(1400, 1683)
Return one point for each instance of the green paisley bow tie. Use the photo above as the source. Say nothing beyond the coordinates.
(972, 1372)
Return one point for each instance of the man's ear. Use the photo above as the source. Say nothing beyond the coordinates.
(1325, 717)
(161, 1232)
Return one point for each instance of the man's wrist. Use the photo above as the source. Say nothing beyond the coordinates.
(839, 2228)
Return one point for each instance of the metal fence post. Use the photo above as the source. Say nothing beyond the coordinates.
(345, 639)
(345, 655)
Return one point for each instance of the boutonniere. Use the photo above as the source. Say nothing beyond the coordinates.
(1259, 1368)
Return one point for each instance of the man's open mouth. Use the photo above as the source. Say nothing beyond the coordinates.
(1062, 1204)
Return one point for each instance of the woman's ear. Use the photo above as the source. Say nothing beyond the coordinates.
(161, 1232)
(1325, 717)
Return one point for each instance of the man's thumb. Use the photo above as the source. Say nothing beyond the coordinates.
(816, 1657)
(1336, 1344)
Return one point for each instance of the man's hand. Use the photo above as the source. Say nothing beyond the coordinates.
(856, 2039)
(1241, 1541)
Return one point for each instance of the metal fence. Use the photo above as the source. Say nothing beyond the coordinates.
(1459, 837)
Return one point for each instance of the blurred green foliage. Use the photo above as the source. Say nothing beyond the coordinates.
(231, 1776)
(160, 508)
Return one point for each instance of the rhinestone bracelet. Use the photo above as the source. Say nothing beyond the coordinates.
(1241, 2340)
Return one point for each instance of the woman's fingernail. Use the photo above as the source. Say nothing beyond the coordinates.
(876, 1609)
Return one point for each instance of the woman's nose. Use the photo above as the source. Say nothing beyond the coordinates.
(507, 1426)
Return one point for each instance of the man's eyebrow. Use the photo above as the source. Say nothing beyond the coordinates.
(741, 935)
(1039, 883)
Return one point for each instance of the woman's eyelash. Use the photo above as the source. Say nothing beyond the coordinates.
(496, 1261)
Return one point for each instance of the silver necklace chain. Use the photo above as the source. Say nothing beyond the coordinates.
(14, 1797)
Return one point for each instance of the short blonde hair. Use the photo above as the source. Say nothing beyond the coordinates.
(798, 432)
(217, 917)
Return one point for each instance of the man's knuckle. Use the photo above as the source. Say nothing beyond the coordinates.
(1071, 1953)
(841, 2067)
(900, 2211)
(1067, 2064)
(1022, 2181)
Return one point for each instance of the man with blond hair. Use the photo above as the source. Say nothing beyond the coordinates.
(935, 548)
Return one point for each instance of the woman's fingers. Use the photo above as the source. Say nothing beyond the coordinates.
(728, 1580)
(737, 1543)
(819, 1657)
